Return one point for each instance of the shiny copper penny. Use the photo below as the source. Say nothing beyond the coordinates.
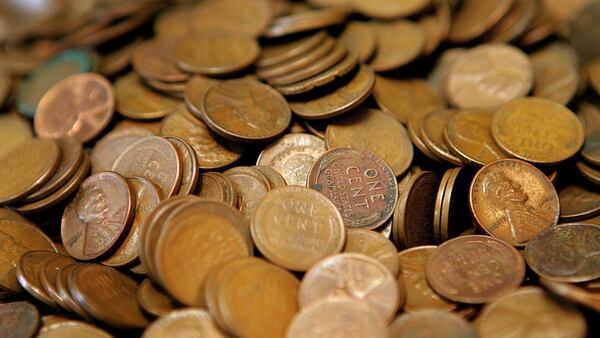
(589, 115)
(216, 186)
(475, 269)
(389, 9)
(48, 275)
(153, 300)
(432, 133)
(108, 148)
(513, 201)
(373, 244)
(294, 164)
(99, 215)
(398, 43)
(19, 319)
(578, 202)
(476, 17)
(288, 141)
(29, 270)
(136, 101)
(80, 106)
(360, 184)
(361, 38)
(566, 253)
(14, 129)
(431, 323)
(189, 165)
(154, 159)
(190, 321)
(72, 329)
(251, 186)
(154, 59)
(236, 16)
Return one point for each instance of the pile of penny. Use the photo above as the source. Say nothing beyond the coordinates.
(318, 169)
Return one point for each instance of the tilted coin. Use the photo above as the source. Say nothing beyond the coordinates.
(48, 277)
(73, 329)
(589, 173)
(194, 93)
(455, 204)
(373, 244)
(65, 295)
(389, 9)
(581, 31)
(432, 133)
(437, 76)
(439, 204)
(288, 141)
(578, 202)
(19, 319)
(188, 321)
(514, 23)
(361, 38)
(110, 146)
(13, 130)
(513, 201)
(154, 59)
(306, 21)
(29, 270)
(279, 53)
(556, 73)
(189, 165)
(294, 164)
(251, 186)
(475, 18)
(274, 178)
(5, 87)
(542, 26)
(436, 26)
(9, 214)
(580, 294)
(136, 101)
(593, 72)
(218, 187)
(398, 43)
(589, 114)
(153, 300)
(236, 16)
(433, 324)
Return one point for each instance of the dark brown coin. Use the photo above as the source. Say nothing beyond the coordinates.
(153, 300)
(29, 270)
(99, 215)
(189, 165)
(137, 101)
(432, 324)
(216, 186)
(578, 202)
(585, 294)
(65, 293)
(588, 172)
(48, 277)
(19, 320)
(359, 183)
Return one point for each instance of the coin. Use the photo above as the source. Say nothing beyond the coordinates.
(437, 76)
(541, 315)
(578, 202)
(35, 160)
(13, 130)
(73, 329)
(48, 277)
(111, 145)
(537, 130)
(432, 133)
(489, 75)
(475, 18)
(9, 214)
(373, 244)
(419, 295)
(189, 161)
(477, 269)
(590, 118)
(439, 204)
(356, 276)
(562, 13)
(117, 60)
(330, 316)
(398, 43)
(433, 324)
(389, 9)
(29, 270)
(391, 142)
(361, 38)
(236, 16)
(455, 207)
(251, 186)
(190, 321)
(288, 141)
(565, 253)
(436, 26)
(136, 101)
(294, 164)
(65, 293)
(153, 300)
(514, 23)
(274, 179)
(556, 73)
(218, 187)
(154, 59)
(542, 26)
(19, 319)
(589, 173)
(513, 201)
(97, 218)
(581, 295)
(194, 93)
(280, 53)
(593, 74)
(305, 21)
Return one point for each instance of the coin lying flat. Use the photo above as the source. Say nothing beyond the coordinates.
(136, 101)
(19, 319)
(13, 130)
(288, 141)
(187, 321)
(373, 244)
(431, 323)
(154, 59)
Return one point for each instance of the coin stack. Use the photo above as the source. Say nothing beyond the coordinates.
(318, 169)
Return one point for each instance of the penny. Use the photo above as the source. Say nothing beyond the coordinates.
(578, 202)
(565, 253)
(542, 26)
(431, 323)
(153, 300)
(251, 186)
(190, 321)
(117, 60)
(475, 18)
(398, 43)
(294, 164)
(405, 98)
(439, 204)
(432, 134)
(537, 130)
(361, 38)
(356, 276)
(591, 174)
(327, 61)
(108, 148)
(246, 110)
(65, 293)
(154, 159)
(413, 217)
(49, 320)
(194, 93)
(11, 215)
(136, 101)
(73, 329)
(360, 184)
(48, 277)
(189, 161)
(391, 142)
(13, 130)
(562, 13)
(514, 23)
(581, 31)
(593, 74)
(574, 293)
(19, 319)
(279, 53)
(288, 141)
(154, 59)
(173, 22)
(35, 160)
(373, 244)
(107, 294)
(541, 315)
(29, 270)
(477, 269)
(555, 72)
(455, 208)
(589, 115)
(295, 227)
(419, 295)
(389, 9)
(468, 135)
(218, 187)
(414, 128)
(236, 16)
(330, 317)
(513, 201)
(98, 217)
(274, 178)
(489, 75)
(306, 21)
(436, 26)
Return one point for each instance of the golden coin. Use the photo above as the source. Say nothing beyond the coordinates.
(398, 43)
(108, 148)
(154, 59)
(391, 141)
(251, 186)
(187, 321)
(593, 74)
(589, 114)
(489, 75)
(135, 101)
(235, 16)
(218, 187)
(72, 329)
(305, 21)
(436, 26)
(9, 214)
(431, 323)
(578, 202)
(288, 141)
(556, 73)
(29, 270)
(13, 130)
(373, 244)
(27, 167)
(476, 17)
(432, 134)
(537, 130)
(189, 162)
(295, 227)
(153, 300)
(542, 26)
(513, 201)
(437, 76)
(357, 276)
(389, 9)
(279, 53)
(194, 93)
(274, 178)
(360, 37)
(514, 23)
(294, 164)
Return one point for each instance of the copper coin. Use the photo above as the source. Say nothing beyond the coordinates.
(437, 76)
(306, 21)
(436, 26)
(513, 201)
(189, 164)
(73, 329)
(360, 184)
(236, 16)
(274, 178)
(108, 148)
(589, 173)
(154, 59)
(330, 317)
(581, 31)
(19, 319)
(475, 269)
(532, 313)
(5, 87)
(174, 22)
(251, 186)
(14, 129)
(515, 22)
(294, 163)
(578, 202)
(97, 218)
(398, 43)
(439, 204)
(419, 295)
(117, 60)
(580, 294)
(542, 26)
(415, 128)
(29, 270)
(35, 161)
(136, 101)
(279, 53)
(373, 244)
(216, 186)
(556, 73)
(361, 38)
(188, 321)
(154, 159)
(16, 239)
(433, 324)
(288, 141)
(80, 106)
(537, 130)
(11, 215)
(389, 9)
(564, 13)
(391, 142)
(194, 93)
(589, 115)
(476, 17)
(246, 110)
(153, 300)
(455, 207)
(48, 277)
(566, 253)
(432, 134)
(66, 295)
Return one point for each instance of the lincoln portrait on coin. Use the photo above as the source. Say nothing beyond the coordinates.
(93, 212)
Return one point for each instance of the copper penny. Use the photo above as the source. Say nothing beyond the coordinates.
(154, 59)
(236, 16)
(513, 201)
(189, 164)
(136, 101)
(154, 159)
(361, 38)
(564, 13)
(190, 321)
(98, 217)
(153, 300)
(66, 295)
(308, 20)
(72, 329)
(48, 277)
(398, 43)
(108, 148)
(80, 106)
(537, 130)
(476, 17)
(218, 187)
(11, 215)
(389, 9)
(288, 141)
(437, 76)
(360, 184)
(251, 186)
(439, 204)
(436, 26)
(274, 178)
(589, 115)
(589, 173)
(566, 253)
(475, 269)
(578, 202)
(581, 294)
(19, 319)
(14, 129)
(294, 163)
(432, 133)
(542, 26)
(174, 22)
(117, 60)
(279, 53)
(455, 207)
(433, 324)
(29, 270)
(373, 244)
(194, 93)
(556, 73)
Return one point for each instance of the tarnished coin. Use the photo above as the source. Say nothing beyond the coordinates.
(398, 43)
(251, 186)
(556, 73)
(97, 218)
(360, 184)
(35, 161)
(432, 133)
(154, 159)
(279, 53)
(218, 187)
(361, 38)
(532, 313)
(154, 59)
(513, 201)
(566, 253)
(295, 227)
(72, 329)
(80, 106)
(475, 269)
(419, 295)
(153, 300)
(476, 17)
(13, 130)
(578, 202)
(236, 16)
(19, 319)
(589, 173)
(391, 142)
(186, 321)
(110, 146)
(28, 272)
(294, 164)
(431, 324)
(585, 294)
(589, 114)
(136, 101)
(488, 76)
(537, 130)
(308, 20)
(189, 165)
(288, 141)
(373, 244)
(48, 277)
